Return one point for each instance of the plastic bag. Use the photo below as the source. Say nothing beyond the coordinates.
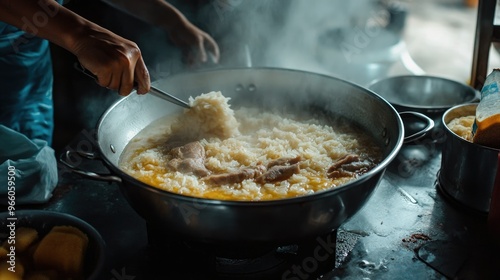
(486, 127)
(28, 169)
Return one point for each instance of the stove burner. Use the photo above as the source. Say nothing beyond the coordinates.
(308, 259)
(274, 260)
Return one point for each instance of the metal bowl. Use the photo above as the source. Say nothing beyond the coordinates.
(428, 95)
(43, 221)
(424, 93)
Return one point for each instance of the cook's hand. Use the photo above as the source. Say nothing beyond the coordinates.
(194, 42)
(117, 62)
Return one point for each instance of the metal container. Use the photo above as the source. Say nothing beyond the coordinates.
(232, 222)
(428, 95)
(468, 170)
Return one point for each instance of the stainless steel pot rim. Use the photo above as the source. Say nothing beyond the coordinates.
(427, 108)
(304, 198)
(460, 138)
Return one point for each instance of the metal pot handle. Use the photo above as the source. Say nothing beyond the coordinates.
(64, 159)
(428, 122)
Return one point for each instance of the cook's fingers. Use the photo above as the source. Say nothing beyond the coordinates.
(103, 79)
(214, 49)
(127, 81)
(201, 48)
(116, 82)
(142, 77)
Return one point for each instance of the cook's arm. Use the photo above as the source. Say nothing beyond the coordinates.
(164, 15)
(116, 61)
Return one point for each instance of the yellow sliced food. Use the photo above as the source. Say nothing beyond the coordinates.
(3, 253)
(24, 238)
(62, 249)
(8, 272)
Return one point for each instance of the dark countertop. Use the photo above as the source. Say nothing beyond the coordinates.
(408, 229)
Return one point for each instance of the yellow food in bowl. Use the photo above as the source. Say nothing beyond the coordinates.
(62, 249)
(57, 255)
(24, 238)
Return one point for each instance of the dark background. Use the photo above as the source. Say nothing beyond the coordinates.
(79, 101)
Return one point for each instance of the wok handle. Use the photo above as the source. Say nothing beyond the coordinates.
(65, 159)
(427, 123)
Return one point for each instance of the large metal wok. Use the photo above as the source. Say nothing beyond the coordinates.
(280, 221)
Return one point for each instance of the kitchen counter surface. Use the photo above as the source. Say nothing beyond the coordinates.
(407, 229)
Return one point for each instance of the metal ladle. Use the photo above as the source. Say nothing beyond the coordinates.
(153, 90)
(167, 96)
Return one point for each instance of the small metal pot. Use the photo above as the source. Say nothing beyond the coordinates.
(468, 170)
(428, 95)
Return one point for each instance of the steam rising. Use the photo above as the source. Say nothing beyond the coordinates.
(286, 34)
(268, 33)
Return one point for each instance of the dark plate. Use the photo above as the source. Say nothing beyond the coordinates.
(43, 221)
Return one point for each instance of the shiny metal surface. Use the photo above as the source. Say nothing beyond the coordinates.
(425, 94)
(425, 124)
(468, 170)
(270, 221)
(428, 95)
(167, 96)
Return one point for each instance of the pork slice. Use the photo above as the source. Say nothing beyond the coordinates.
(344, 160)
(192, 150)
(189, 158)
(340, 173)
(349, 166)
(284, 161)
(358, 166)
(189, 166)
(278, 173)
(237, 176)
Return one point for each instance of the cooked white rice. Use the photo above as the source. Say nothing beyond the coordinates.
(209, 116)
(462, 126)
(244, 138)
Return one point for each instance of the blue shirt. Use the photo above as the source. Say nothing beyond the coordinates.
(26, 80)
